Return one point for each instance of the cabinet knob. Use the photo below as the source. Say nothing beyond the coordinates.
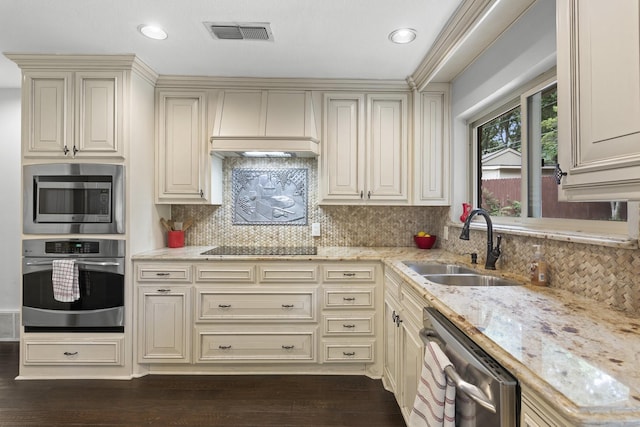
(75, 150)
(368, 194)
(65, 150)
(70, 353)
(224, 305)
(164, 290)
(201, 194)
(287, 306)
(559, 173)
(348, 353)
(288, 347)
(224, 347)
(348, 274)
(162, 274)
(348, 298)
(349, 326)
(361, 194)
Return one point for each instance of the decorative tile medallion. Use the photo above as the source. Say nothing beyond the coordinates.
(269, 196)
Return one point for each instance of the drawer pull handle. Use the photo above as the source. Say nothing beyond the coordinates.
(224, 347)
(224, 305)
(348, 353)
(349, 326)
(162, 274)
(348, 298)
(348, 274)
(288, 347)
(287, 306)
(164, 291)
(70, 353)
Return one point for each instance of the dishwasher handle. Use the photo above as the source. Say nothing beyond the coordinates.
(471, 390)
(474, 392)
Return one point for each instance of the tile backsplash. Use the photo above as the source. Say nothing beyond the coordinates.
(339, 225)
(605, 274)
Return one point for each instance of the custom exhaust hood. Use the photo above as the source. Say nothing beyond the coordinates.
(265, 123)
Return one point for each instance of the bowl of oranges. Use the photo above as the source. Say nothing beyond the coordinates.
(424, 240)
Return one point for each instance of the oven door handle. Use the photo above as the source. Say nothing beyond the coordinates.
(471, 390)
(94, 263)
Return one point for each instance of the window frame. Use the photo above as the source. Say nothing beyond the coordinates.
(616, 230)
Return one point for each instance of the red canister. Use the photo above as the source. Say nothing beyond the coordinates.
(175, 239)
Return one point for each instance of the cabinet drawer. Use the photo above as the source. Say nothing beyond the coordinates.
(392, 285)
(108, 352)
(255, 305)
(280, 273)
(256, 346)
(348, 273)
(413, 305)
(164, 273)
(226, 273)
(340, 325)
(340, 352)
(359, 298)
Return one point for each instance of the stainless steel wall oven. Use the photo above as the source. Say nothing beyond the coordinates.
(100, 303)
(73, 198)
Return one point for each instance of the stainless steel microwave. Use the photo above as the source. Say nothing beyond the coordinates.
(73, 198)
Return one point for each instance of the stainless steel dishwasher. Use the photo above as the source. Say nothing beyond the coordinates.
(487, 395)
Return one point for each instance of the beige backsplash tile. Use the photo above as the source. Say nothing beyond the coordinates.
(605, 274)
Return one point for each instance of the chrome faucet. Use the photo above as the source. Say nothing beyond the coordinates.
(492, 253)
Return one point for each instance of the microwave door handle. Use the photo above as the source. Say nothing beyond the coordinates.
(471, 390)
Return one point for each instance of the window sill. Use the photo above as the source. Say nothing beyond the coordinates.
(614, 241)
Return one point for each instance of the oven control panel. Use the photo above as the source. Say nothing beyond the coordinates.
(72, 247)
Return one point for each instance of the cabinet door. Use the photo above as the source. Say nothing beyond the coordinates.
(410, 365)
(431, 153)
(98, 106)
(181, 148)
(388, 148)
(391, 349)
(47, 114)
(343, 156)
(599, 99)
(163, 324)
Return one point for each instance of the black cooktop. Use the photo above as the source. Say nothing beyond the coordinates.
(262, 250)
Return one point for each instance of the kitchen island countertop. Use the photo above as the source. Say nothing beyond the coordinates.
(576, 353)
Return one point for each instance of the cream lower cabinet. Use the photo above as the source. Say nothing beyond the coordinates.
(599, 99)
(534, 412)
(259, 317)
(256, 313)
(365, 153)
(349, 320)
(185, 171)
(403, 348)
(163, 318)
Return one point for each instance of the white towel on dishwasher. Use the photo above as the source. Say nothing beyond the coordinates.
(64, 277)
(435, 403)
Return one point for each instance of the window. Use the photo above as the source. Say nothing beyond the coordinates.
(516, 148)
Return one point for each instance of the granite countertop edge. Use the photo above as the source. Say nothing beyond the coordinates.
(442, 298)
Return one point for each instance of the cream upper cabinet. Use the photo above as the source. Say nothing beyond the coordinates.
(185, 172)
(265, 120)
(73, 114)
(365, 149)
(599, 99)
(431, 147)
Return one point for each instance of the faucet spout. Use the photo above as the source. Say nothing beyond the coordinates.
(493, 253)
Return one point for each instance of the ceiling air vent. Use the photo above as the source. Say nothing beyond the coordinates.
(235, 31)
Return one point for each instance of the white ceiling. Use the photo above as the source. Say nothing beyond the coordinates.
(312, 38)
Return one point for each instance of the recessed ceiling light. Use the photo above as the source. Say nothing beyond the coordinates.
(402, 35)
(153, 32)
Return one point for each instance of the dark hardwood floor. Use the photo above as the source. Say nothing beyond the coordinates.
(159, 400)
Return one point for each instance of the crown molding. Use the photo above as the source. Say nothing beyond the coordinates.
(204, 82)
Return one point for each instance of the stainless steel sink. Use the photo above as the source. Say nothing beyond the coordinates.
(423, 268)
(469, 280)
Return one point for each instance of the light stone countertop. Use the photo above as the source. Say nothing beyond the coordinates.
(577, 354)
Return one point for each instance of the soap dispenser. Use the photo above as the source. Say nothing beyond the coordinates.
(538, 269)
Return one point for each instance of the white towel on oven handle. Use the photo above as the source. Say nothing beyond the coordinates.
(435, 402)
(64, 277)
